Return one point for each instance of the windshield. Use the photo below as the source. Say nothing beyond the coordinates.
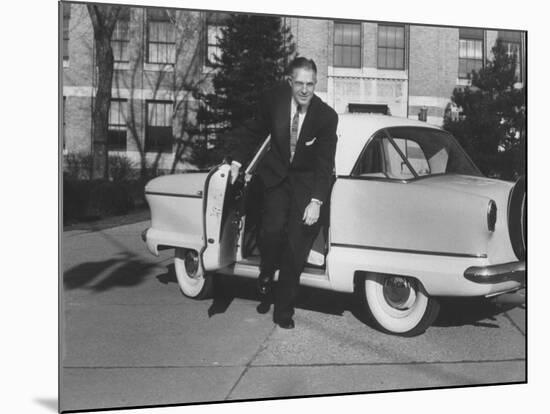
(411, 152)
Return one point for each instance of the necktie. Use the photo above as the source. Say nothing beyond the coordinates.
(294, 132)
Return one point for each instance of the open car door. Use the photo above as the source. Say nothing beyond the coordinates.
(220, 219)
(222, 208)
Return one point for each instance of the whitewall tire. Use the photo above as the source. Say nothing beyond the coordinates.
(193, 281)
(399, 305)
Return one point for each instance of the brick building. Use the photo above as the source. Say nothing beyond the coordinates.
(160, 56)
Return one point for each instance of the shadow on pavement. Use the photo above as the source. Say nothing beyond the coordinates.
(227, 288)
(474, 311)
(454, 311)
(122, 270)
(169, 276)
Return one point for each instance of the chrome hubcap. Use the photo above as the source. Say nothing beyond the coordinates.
(399, 293)
(191, 263)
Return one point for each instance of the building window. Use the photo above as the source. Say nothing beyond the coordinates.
(66, 19)
(116, 138)
(470, 51)
(368, 108)
(213, 51)
(215, 22)
(121, 36)
(347, 45)
(391, 47)
(211, 121)
(161, 37)
(512, 43)
(158, 135)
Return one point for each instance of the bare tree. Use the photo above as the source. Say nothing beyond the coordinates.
(185, 83)
(182, 80)
(103, 18)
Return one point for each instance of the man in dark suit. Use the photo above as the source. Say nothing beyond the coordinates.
(296, 173)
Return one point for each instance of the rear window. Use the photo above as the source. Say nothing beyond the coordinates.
(408, 152)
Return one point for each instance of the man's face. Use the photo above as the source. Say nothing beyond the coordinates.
(302, 81)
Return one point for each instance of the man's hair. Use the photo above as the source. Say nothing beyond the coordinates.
(301, 63)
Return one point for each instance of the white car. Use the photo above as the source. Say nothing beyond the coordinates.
(410, 219)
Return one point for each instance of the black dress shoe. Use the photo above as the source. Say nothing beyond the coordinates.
(285, 323)
(263, 307)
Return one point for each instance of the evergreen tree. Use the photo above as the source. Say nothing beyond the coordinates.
(254, 53)
(491, 126)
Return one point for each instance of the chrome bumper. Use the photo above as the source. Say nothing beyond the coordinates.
(513, 271)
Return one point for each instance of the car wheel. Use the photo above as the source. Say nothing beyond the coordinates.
(399, 305)
(193, 281)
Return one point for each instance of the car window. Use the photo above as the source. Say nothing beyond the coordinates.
(372, 161)
(396, 165)
(426, 151)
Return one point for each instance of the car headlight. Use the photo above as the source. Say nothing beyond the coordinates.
(491, 215)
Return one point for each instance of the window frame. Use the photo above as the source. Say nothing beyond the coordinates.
(386, 48)
(117, 127)
(467, 35)
(211, 130)
(212, 19)
(208, 45)
(148, 42)
(147, 144)
(124, 41)
(353, 46)
(508, 40)
(519, 69)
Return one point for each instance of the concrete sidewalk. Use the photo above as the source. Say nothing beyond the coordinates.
(131, 337)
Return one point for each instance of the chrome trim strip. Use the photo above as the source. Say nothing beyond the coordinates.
(388, 249)
(251, 169)
(513, 271)
(174, 195)
(383, 179)
(399, 180)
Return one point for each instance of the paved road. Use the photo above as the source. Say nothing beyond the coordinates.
(131, 337)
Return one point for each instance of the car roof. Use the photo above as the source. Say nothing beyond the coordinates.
(354, 130)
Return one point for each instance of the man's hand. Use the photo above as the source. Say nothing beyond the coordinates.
(311, 213)
(235, 168)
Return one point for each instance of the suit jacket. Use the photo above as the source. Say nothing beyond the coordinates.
(312, 166)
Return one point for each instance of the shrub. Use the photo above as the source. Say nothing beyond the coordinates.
(121, 168)
(76, 195)
(92, 199)
(136, 190)
(78, 166)
(109, 198)
(153, 170)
